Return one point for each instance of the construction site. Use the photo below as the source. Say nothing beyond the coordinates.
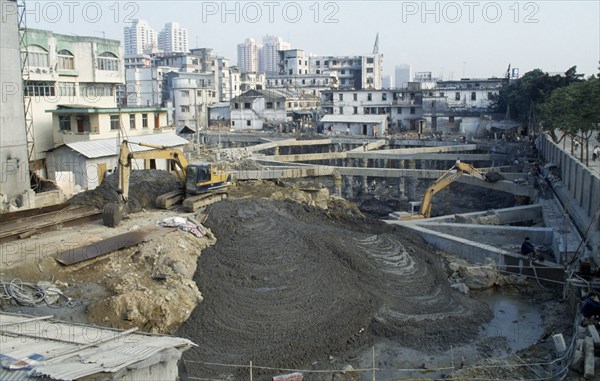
(327, 258)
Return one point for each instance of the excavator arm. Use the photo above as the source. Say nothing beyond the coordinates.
(126, 156)
(447, 178)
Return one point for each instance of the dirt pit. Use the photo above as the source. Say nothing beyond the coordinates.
(287, 285)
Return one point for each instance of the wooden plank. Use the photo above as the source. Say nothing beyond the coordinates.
(105, 246)
(20, 214)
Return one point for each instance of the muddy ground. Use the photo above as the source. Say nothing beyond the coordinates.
(285, 278)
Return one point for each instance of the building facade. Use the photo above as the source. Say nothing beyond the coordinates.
(268, 56)
(255, 109)
(173, 38)
(402, 76)
(68, 70)
(247, 55)
(14, 168)
(353, 72)
(139, 38)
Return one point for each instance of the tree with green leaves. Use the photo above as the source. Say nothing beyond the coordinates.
(575, 111)
(524, 96)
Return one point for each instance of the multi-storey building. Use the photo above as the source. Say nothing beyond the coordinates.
(293, 62)
(353, 72)
(268, 56)
(253, 109)
(402, 108)
(64, 70)
(173, 38)
(247, 55)
(190, 94)
(14, 181)
(139, 38)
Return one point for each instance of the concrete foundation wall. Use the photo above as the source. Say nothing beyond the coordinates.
(578, 191)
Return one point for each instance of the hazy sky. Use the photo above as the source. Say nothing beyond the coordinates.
(448, 38)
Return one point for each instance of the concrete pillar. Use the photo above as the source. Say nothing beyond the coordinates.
(401, 182)
(365, 184)
(276, 151)
(337, 183)
(411, 182)
(348, 184)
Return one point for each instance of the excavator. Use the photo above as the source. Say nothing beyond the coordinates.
(447, 178)
(201, 184)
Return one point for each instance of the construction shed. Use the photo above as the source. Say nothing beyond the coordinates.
(366, 125)
(40, 348)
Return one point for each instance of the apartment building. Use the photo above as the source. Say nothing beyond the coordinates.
(353, 72)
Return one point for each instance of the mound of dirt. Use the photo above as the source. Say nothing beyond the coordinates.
(288, 284)
(144, 186)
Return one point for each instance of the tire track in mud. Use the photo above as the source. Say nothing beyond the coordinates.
(285, 286)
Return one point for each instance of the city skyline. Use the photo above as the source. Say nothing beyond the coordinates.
(450, 39)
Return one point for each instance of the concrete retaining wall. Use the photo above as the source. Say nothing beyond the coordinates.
(579, 191)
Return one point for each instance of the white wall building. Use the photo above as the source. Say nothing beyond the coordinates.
(191, 95)
(139, 38)
(173, 38)
(402, 108)
(68, 70)
(353, 72)
(253, 109)
(247, 55)
(268, 56)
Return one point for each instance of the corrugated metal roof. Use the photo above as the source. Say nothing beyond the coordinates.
(110, 147)
(73, 351)
(353, 118)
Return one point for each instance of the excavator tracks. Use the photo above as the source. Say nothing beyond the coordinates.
(193, 203)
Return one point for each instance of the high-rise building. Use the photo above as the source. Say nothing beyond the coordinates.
(268, 58)
(173, 38)
(247, 55)
(403, 74)
(139, 38)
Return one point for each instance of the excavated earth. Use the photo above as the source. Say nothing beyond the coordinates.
(287, 285)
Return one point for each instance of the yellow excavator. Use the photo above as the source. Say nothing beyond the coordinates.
(201, 184)
(447, 178)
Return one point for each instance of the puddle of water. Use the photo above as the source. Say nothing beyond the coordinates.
(514, 319)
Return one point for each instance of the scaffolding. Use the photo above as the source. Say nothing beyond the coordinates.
(27, 101)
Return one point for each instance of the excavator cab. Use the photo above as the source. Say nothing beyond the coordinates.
(203, 177)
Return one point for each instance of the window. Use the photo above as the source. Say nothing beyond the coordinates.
(144, 120)
(355, 96)
(355, 111)
(342, 71)
(37, 56)
(132, 121)
(39, 89)
(114, 122)
(247, 105)
(490, 95)
(248, 122)
(369, 97)
(270, 105)
(384, 96)
(473, 96)
(66, 60)
(457, 96)
(370, 60)
(413, 110)
(233, 123)
(442, 94)
(185, 93)
(66, 89)
(93, 90)
(318, 63)
(185, 108)
(369, 70)
(108, 62)
(64, 122)
(341, 109)
(341, 97)
(236, 105)
(451, 119)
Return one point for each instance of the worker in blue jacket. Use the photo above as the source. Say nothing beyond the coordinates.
(590, 306)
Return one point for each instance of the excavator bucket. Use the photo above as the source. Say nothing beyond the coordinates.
(492, 177)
